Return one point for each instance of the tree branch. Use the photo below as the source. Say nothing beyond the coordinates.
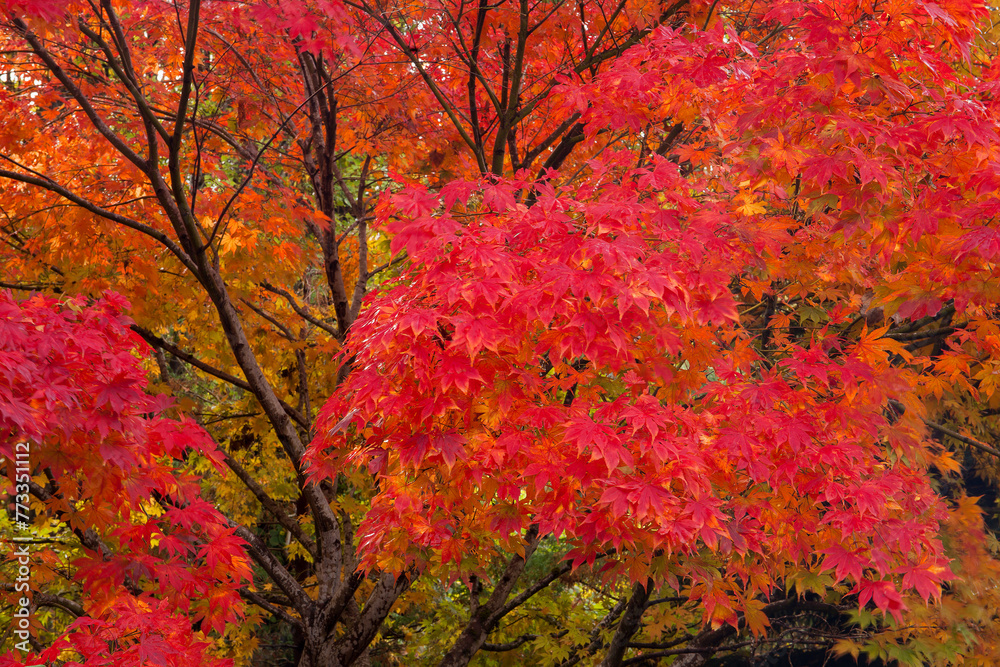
(190, 359)
(439, 95)
(67, 605)
(122, 68)
(269, 504)
(46, 183)
(275, 570)
(301, 311)
(972, 442)
(377, 607)
(628, 626)
(535, 588)
(484, 619)
(595, 635)
(81, 99)
(251, 596)
(509, 646)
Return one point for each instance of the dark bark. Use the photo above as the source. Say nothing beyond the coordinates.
(484, 618)
(628, 626)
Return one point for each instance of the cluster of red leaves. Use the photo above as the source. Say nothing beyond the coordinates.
(553, 364)
(108, 465)
(574, 358)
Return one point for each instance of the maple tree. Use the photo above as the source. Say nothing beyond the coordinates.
(603, 332)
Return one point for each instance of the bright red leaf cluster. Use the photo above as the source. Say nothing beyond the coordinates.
(155, 557)
(567, 350)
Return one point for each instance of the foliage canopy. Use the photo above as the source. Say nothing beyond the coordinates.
(609, 332)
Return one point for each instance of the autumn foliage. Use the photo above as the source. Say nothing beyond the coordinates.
(502, 333)
(156, 555)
